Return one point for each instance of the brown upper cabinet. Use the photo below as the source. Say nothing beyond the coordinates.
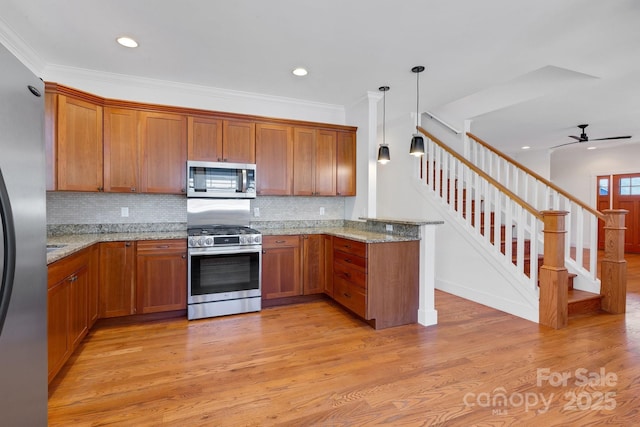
(314, 162)
(76, 137)
(217, 140)
(98, 144)
(144, 151)
(163, 152)
(346, 164)
(274, 160)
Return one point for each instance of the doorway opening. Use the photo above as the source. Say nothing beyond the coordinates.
(621, 191)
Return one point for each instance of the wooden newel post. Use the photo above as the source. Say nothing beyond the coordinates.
(553, 277)
(613, 276)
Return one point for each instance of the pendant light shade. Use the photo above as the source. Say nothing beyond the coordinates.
(383, 151)
(417, 142)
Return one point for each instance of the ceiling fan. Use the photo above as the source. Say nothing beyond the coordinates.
(584, 138)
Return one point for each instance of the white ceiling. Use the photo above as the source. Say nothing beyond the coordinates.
(526, 72)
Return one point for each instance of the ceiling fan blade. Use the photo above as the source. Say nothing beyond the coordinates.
(568, 143)
(612, 137)
(576, 138)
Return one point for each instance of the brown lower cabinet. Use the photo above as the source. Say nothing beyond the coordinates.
(377, 281)
(117, 279)
(281, 267)
(161, 272)
(72, 301)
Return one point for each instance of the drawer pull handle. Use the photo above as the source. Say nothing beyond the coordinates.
(347, 246)
(347, 275)
(162, 246)
(347, 295)
(280, 241)
(348, 260)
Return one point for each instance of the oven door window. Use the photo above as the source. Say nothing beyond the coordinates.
(222, 273)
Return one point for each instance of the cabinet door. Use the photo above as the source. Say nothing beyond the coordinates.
(328, 264)
(346, 164)
(121, 155)
(93, 296)
(79, 313)
(161, 275)
(304, 155)
(274, 160)
(239, 142)
(58, 343)
(117, 287)
(79, 145)
(204, 139)
(281, 267)
(163, 148)
(313, 268)
(325, 163)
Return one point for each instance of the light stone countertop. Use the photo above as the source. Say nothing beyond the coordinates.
(346, 232)
(71, 243)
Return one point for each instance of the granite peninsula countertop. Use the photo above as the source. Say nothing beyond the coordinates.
(346, 232)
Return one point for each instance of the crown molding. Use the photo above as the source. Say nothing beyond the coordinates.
(21, 49)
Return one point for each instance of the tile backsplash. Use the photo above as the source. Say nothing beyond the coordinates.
(66, 208)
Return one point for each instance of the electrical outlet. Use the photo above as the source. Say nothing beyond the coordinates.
(124, 212)
(321, 211)
(389, 227)
(256, 211)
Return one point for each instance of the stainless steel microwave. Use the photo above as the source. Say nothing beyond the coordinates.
(221, 180)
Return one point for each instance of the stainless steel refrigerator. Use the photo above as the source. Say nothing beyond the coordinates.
(23, 292)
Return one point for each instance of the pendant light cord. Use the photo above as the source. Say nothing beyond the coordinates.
(417, 98)
(384, 117)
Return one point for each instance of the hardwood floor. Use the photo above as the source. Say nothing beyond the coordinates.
(314, 364)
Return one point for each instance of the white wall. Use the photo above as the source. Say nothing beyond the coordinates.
(538, 161)
(575, 168)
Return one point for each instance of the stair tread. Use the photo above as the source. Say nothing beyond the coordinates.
(576, 295)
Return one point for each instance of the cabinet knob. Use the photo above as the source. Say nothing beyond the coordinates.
(100, 188)
(219, 159)
(182, 190)
(264, 251)
(184, 256)
(128, 244)
(133, 189)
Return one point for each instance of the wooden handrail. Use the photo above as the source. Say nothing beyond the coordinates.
(538, 177)
(483, 174)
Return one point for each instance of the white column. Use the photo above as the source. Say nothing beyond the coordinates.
(427, 314)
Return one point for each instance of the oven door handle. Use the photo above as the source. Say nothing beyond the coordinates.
(225, 251)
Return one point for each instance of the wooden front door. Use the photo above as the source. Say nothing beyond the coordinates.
(626, 195)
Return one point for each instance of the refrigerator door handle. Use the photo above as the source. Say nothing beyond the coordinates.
(9, 252)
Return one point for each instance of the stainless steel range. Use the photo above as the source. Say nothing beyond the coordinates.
(225, 259)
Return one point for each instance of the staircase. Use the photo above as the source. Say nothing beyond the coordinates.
(552, 235)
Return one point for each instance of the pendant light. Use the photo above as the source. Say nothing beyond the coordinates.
(383, 151)
(417, 142)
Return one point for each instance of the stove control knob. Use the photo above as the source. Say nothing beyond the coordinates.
(257, 239)
(244, 239)
(192, 241)
(201, 241)
(209, 241)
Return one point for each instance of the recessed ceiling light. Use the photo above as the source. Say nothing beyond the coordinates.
(591, 148)
(300, 72)
(525, 147)
(127, 42)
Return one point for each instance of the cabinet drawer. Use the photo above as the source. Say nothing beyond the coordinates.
(164, 245)
(350, 296)
(349, 260)
(350, 246)
(353, 274)
(280, 241)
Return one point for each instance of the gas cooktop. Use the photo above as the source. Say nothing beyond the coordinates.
(218, 235)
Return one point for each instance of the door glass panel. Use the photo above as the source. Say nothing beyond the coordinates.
(603, 186)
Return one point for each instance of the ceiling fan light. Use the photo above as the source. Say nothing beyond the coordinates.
(417, 146)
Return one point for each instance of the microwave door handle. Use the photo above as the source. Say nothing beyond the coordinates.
(244, 180)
